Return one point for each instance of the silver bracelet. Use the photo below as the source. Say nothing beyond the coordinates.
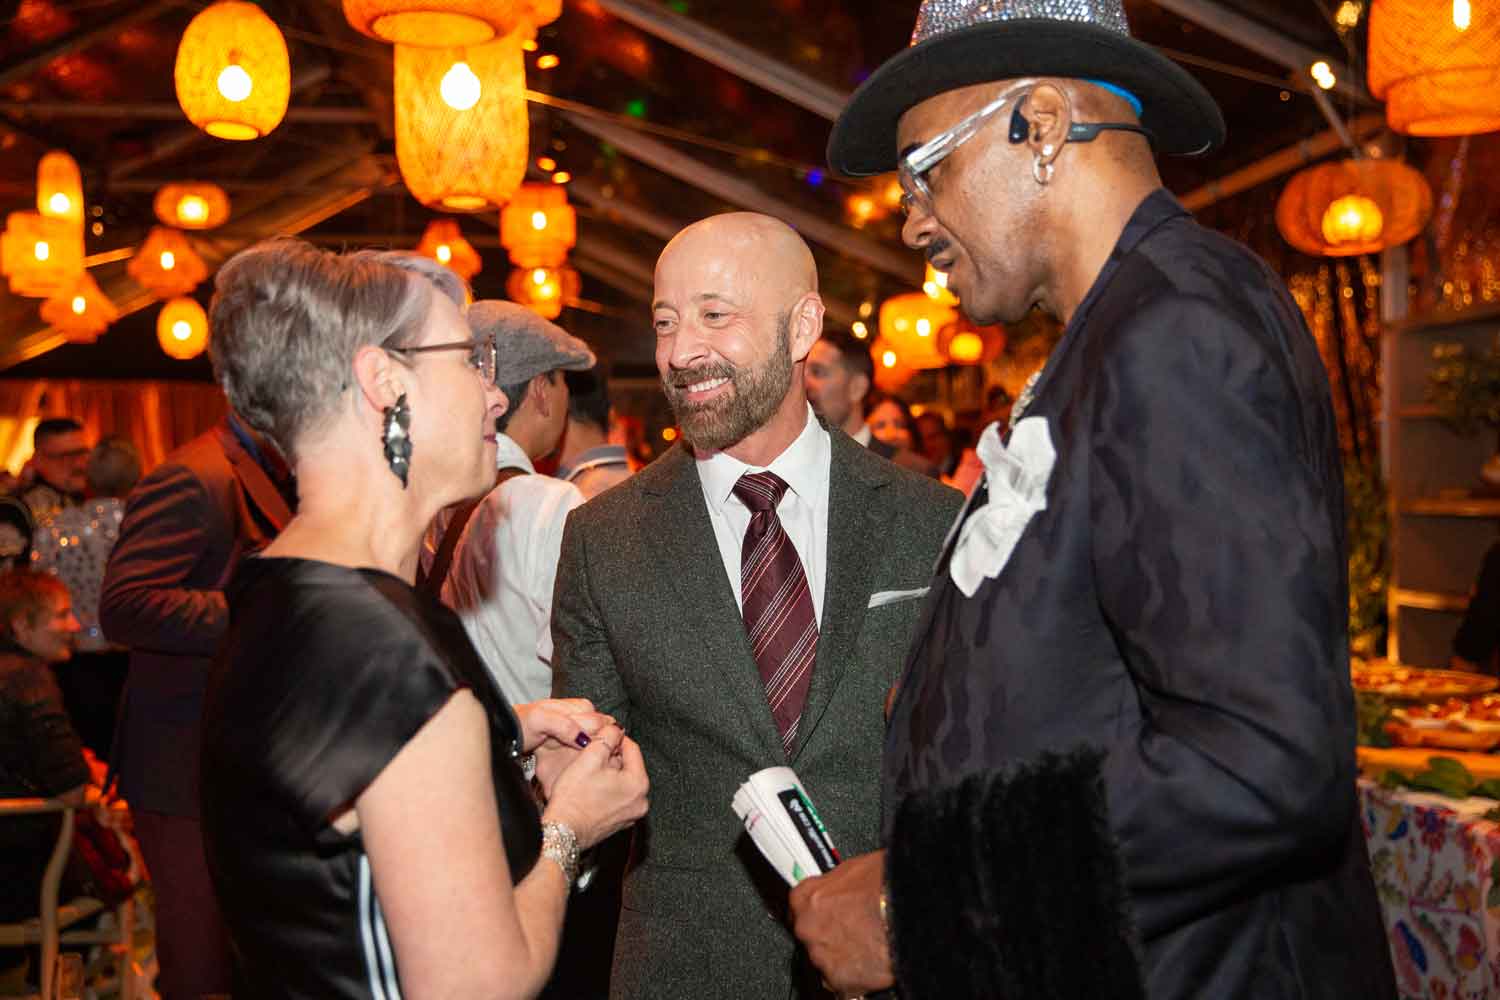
(560, 845)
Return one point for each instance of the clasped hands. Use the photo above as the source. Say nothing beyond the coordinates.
(591, 774)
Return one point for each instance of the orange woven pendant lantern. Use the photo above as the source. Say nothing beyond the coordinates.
(166, 264)
(1353, 207)
(891, 369)
(444, 243)
(462, 131)
(59, 188)
(233, 75)
(909, 325)
(42, 257)
(436, 23)
(82, 312)
(544, 290)
(1436, 64)
(192, 205)
(182, 329)
(539, 227)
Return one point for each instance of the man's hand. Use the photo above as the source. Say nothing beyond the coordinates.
(837, 917)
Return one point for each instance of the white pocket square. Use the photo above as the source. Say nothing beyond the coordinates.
(885, 597)
(1017, 477)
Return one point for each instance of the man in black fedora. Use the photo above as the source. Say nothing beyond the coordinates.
(1120, 761)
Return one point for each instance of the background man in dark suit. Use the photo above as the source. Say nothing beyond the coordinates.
(1152, 580)
(187, 524)
(770, 523)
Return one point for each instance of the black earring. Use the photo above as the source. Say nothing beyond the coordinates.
(396, 434)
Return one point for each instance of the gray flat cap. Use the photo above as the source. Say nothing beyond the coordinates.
(526, 345)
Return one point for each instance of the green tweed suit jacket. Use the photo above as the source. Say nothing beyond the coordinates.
(645, 624)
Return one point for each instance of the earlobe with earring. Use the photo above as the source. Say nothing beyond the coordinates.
(1042, 172)
(396, 434)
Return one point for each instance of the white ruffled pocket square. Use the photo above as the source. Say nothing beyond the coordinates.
(884, 597)
(1017, 476)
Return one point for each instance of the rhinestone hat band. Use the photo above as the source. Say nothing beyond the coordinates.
(938, 17)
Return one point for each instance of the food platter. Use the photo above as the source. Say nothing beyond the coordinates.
(1416, 683)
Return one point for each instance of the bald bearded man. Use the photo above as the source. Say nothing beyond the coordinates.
(766, 521)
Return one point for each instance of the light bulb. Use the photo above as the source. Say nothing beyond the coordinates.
(234, 83)
(192, 208)
(460, 87)
(548, 61)
(79, 305)
(1461, 14)
(546, 163)
(561, 177)
(168, 260)
(888, 359)
(539, 276)
(59, 202)
(182, 329)
(538, 220)
(924, 327)
(860, 329)
(444, 253)
(42, 250)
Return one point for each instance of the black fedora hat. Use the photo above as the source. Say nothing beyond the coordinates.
(958, 43)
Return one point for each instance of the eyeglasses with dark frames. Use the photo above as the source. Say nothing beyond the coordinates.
(914, 165)
(483, 356)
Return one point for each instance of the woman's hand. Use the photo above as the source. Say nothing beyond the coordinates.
(555, 730)
(602, 790)
(559, 720)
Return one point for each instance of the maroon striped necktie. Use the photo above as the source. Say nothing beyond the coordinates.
(777, 604)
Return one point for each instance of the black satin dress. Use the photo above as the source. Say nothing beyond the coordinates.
(324, 676)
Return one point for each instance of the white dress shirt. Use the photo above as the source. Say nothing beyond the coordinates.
(803, 509)
(500, 582)
(862, 436)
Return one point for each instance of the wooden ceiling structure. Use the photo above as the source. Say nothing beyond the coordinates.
(662, 112)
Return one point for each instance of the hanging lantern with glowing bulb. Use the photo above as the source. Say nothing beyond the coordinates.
(1353, 207)
(81, 312)
(539, 227)
(166, 264)
(963, 343)
(444, 243)
(461, 124)
(59, 188)
(1436, 65)
(435, 23)
(544, 290)
(909, 325)
(233, 75)
(935, 284)
(192, 205)
(182, 328)
(42, 257)
(891, 368)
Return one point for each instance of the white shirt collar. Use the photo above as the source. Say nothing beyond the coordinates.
(862, 436)
(509, 455)
(799, 465)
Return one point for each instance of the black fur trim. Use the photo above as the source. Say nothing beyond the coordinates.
(1008, 885)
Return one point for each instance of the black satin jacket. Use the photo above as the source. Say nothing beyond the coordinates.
(325, 674)
(1180, 604)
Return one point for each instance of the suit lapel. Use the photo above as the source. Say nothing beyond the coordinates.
(856, 522)
(693, 563)
(257, 485)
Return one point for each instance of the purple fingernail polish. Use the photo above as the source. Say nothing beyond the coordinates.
(582, 739)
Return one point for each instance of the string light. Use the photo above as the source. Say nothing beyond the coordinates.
(548, 61)
(1322, 75)
(561, 177)
(860, 329)
(546, 163)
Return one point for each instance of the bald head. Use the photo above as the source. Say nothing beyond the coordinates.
(745, 248)
(736, 309)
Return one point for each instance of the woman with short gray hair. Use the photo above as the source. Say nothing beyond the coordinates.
(369, 827)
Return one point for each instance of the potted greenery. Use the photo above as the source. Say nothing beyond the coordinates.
(1465, 385)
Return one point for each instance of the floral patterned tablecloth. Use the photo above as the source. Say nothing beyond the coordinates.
(1437, 868)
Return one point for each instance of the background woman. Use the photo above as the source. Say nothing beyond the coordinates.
(890, 419)
(364, 811)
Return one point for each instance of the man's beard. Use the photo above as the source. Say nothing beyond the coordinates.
(755, 396)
